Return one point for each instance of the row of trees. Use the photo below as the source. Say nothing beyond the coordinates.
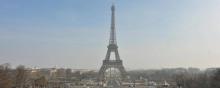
(184, 78)
(19, 78)
(10, 78)
(202, 80)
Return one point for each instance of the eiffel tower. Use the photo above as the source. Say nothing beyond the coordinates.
(112, 48)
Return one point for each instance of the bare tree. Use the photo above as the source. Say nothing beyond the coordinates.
(41, 82)
(192, 81)
(180, 80)
(5, 79)
(21, 77)
(215, 80)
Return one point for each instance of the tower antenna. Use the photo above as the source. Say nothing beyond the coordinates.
(113, 2)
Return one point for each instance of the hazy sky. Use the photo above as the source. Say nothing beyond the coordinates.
(75, 33)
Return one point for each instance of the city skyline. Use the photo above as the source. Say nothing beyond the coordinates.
(74, 34)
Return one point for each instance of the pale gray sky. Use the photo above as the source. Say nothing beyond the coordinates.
(75, 33)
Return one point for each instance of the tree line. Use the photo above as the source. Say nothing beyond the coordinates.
(19, 77)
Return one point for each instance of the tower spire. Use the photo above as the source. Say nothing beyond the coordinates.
(113, 33)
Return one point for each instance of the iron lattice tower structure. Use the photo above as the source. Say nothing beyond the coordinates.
(112, 48)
